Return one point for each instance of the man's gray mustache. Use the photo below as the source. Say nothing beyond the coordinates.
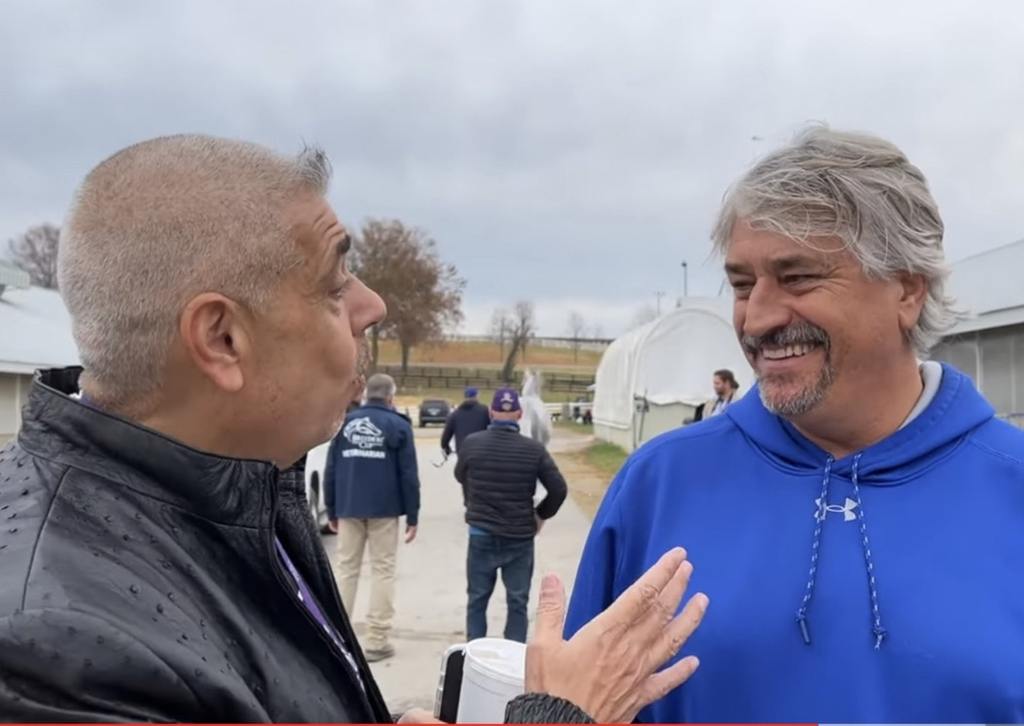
(789, 335)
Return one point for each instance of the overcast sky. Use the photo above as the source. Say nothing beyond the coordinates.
(572, 152)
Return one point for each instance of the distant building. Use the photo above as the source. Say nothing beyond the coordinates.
(989, 345)
(35, 332)
(652, 379)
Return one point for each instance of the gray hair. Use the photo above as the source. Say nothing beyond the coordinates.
(160, 222)
(861, 189)
(380, 387)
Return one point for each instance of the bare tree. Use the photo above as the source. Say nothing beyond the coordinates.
(522, 333)
(423, 293)
(576, 328)
(644, 315)
(35, 252)
(501, 328)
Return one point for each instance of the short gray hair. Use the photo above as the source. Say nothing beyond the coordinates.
(861, 189)
(162, 221)
(380, 387)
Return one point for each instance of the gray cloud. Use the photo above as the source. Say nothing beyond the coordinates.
(573, 152)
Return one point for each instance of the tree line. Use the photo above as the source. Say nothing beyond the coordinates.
(402, 263)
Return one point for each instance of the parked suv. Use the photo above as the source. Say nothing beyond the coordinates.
(434, 410)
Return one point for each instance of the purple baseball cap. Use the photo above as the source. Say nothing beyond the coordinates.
(505, 400)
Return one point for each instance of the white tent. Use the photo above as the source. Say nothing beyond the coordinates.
(654, 377)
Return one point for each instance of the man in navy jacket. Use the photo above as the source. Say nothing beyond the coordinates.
(371, 481)
(471, 416)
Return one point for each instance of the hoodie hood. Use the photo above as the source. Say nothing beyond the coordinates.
(928, 438)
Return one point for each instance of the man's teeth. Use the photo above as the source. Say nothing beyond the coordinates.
(789, 351)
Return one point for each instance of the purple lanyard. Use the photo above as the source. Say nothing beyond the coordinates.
(309, 602)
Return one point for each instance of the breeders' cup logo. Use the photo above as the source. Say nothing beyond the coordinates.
(363, 433)
(506, 401)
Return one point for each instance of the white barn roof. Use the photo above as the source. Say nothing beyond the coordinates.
(35, 331)
(988, 286)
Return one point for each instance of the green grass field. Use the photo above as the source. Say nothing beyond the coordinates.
(487, 356)
(605, 457)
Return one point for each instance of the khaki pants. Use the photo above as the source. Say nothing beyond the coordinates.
(382, 536)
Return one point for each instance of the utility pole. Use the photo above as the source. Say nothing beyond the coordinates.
(686, 292)
(659, 295)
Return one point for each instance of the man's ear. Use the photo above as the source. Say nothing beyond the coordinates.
(913, 291)
(519, 414)
(216, 339)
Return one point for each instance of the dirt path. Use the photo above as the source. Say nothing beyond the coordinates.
(431, 579)
(587, 484)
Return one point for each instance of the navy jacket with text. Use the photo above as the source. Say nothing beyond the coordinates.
(371, 467)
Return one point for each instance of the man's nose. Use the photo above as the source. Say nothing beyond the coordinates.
(765, 310)
(368, 308)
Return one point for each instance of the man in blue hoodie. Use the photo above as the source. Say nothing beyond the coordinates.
(858, 518)
(371, 480)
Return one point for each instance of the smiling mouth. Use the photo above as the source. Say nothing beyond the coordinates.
(787, 352)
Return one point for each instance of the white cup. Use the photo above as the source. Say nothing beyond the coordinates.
(492, 675)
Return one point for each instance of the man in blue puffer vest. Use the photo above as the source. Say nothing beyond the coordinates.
(371, 480)
(857, 519)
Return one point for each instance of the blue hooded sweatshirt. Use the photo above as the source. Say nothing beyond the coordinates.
(898, 598)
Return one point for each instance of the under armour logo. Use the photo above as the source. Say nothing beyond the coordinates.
(845, 508)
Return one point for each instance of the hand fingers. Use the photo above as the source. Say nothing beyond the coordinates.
(550, 610)
(661, 684)
(653, 624)
(631, 605)
(680, 629)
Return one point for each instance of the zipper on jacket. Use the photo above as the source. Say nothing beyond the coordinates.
(358, 681)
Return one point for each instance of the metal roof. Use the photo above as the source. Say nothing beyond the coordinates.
(990, 288)
(35, 331)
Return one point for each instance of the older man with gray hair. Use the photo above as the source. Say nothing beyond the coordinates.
(858, 516)
(370, 481)
(156, 563)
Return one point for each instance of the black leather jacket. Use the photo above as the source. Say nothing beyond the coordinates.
(138, 581)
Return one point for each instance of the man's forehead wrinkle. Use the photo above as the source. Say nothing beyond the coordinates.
(802, 252)
(786, 261)
(732, 266)
(322, 222)
(328, 224)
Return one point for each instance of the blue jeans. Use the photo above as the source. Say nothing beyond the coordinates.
(489, 553)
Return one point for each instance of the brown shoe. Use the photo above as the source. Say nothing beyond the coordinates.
(373, 656)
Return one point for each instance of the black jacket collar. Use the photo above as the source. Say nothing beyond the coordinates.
(60, 428)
